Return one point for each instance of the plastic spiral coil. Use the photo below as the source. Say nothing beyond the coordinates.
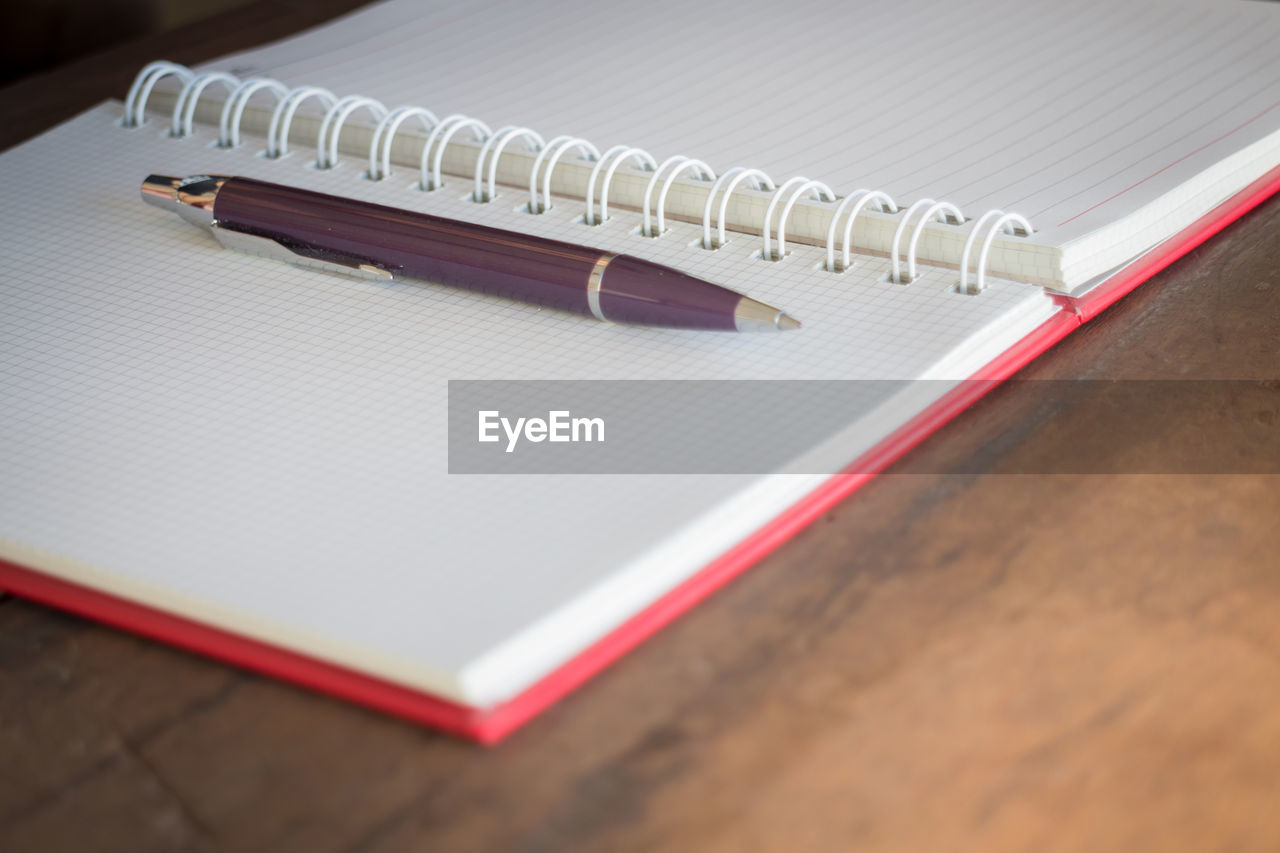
(442, 131)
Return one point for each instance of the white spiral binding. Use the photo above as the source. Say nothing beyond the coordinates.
(135, 102)
(439, 139)
(859, 199)
(935, 208)
(233, 110)
(681, 163)
(556, 149)
(947, 211)
(331, 126)
(1008, 221)
(734, 176)
(498, 141)
(380, 167)
(963, 285)
(618, 153)
(805, 186)
(184, 109)
(442, 131)
(282, 116)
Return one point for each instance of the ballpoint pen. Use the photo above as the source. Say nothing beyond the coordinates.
(370, 240)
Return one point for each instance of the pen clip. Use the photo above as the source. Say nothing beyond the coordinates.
(268, 248)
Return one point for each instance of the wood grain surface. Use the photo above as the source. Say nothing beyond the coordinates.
(971, 660)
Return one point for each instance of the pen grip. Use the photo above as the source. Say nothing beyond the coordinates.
(410, 244)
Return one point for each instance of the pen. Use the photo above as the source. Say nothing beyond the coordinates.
(370, 240)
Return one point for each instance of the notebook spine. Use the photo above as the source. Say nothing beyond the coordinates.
(842, 212)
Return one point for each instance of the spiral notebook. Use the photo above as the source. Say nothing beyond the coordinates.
(248, 459)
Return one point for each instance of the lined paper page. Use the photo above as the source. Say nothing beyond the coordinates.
(264, 447)
(1073, 114)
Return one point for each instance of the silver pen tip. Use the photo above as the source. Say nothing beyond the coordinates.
(754, 316)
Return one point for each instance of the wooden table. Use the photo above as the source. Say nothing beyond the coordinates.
(967, 660)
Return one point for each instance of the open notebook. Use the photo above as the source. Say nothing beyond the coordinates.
(250, 459)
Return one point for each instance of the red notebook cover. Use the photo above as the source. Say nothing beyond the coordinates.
(489, 725)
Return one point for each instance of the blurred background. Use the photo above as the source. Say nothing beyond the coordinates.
(85, 51)
(37, 35)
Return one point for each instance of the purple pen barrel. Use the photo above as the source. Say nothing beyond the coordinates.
(414, 245)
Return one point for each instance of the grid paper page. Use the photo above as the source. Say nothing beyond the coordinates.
(1073, 114)
(264, 447)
